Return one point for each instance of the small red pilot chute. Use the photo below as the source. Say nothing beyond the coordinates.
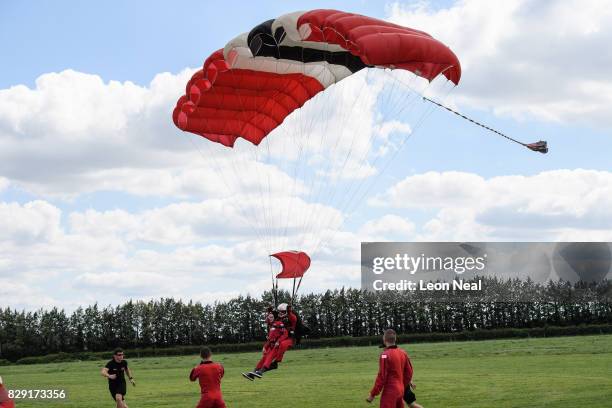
(295, 264)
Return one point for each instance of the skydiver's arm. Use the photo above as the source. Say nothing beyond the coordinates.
(193, 375)
(130, 376)
(408, 371)
(105, 374)
(381, 378)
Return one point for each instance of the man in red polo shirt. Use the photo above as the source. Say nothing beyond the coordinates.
(5, 401)
(209, 375)
(394, 375)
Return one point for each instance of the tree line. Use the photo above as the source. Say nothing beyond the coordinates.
(169, 322)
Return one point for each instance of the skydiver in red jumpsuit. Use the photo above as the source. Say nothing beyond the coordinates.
(290, 319)
(276, 335)
(394, 375)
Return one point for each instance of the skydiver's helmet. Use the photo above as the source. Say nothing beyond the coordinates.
(282, 310)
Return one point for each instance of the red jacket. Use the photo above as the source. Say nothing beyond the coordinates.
(394, 372)
(209, 375)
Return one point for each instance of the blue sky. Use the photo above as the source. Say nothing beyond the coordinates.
(99, 183)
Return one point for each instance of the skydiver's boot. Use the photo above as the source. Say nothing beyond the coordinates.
(258, 373)
(273, 365)
(248, 376)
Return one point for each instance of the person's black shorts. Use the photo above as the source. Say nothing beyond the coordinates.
(409, 396)
(117, 388)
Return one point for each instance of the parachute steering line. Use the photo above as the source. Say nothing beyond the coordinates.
(540, 146)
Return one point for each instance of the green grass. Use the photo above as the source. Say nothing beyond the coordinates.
(547, 372)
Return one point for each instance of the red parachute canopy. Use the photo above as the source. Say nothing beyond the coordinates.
(248, 88)
(295, 264)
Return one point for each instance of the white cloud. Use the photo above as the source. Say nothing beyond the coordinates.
(74, 133)
(73, 126)
(526, 57)
(548, 205)
(431, 189)
(19, 295)
(189, 223)
(36, 221)
(190, 250)
(200, 250)
(91, 136)
(387, 228)
(4, 183)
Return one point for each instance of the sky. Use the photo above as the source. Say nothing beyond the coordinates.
(103, 200)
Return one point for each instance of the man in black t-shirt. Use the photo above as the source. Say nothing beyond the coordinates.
(115, 370)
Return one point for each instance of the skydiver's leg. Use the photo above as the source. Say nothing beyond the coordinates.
(411, 398)
(260, 363)
(270, 357)
(284, 346)
(391, 398)
(120, 402)
(204, 403)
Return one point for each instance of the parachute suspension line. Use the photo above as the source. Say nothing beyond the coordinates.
(340, 172)
(274, 288)
(305, 127)
(388, 95)
(414, 130)
(329, 191)
(304, 172)
(366, 83)
(279, 236)
(299, 140)
(266, 200)
(386, 98)
(349, 210)
(316, 187)
(268, 206)
(337, 168)
(265, 225)
(541, 146)
(259, 232)
(238, 172)
(225, 182)
(298, 286)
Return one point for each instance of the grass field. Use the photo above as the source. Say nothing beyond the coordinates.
(554, 372)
